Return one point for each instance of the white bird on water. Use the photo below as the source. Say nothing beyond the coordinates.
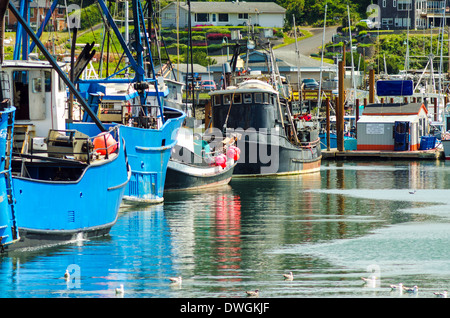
(288, 276)
(252, 293)
(120, 290)
(175, 280)
(442, 295)
(412, 192)
(412, 290)
(371, 281)
(398, 287)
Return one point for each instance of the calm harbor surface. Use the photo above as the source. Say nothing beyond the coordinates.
(350, 220)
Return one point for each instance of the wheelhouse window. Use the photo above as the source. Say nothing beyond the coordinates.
(226, 99)
(48, 81)
(258, 97)
(201, 17)
(247, 98)
(266, 98)
(217, 100)
(37, 85)
(237, 99)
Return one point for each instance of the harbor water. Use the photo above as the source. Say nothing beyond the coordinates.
(355, 219)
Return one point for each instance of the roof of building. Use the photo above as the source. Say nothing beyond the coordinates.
(394, 109)
(234, 7)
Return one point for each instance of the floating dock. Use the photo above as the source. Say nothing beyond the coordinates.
(432, 154)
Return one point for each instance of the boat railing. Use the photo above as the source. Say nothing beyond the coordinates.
(140, 116)
(309, 144)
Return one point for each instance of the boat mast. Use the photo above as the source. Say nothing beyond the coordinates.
(55, 65)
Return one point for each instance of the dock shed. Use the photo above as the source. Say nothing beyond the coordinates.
(392, 127)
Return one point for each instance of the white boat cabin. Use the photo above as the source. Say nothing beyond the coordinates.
(38, 94)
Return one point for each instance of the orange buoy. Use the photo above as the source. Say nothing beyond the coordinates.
(105, 141)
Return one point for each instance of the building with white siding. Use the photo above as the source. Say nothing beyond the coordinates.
(392, 127)
(234, 13)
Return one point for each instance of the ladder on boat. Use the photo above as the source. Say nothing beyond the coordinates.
(8, 228)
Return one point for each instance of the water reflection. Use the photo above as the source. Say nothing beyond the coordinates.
(328, 228)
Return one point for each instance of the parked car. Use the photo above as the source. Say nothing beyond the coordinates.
(310, 83)
(209, 85)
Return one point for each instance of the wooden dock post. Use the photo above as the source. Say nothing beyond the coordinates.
(371, 86)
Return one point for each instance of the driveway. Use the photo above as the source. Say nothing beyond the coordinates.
(306, 47)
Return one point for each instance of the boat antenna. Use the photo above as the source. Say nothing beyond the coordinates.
(297, 52)
(319, 104)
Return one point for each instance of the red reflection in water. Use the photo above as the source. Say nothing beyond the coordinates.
(228, 232)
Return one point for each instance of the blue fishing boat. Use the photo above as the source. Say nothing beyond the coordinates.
(66, 185)
(8, 224)
(149, 128)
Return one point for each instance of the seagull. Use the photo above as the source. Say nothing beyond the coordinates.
(442, 295)
(252, 293)
(120, 290)
(412, 290)
(289, 276)
(369, 279)
(397, 287)
(67, 275)
(412, 192)
(175, 280)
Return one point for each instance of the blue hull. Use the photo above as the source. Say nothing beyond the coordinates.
(7, 213)
(50, 212)
(148, 153)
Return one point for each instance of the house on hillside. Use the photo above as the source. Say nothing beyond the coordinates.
(38, 11)
(392, 127)
(415, 14)
(235, 13)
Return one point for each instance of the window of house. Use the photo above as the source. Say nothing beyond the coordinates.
(223, 17)
(201, 17)
(386, 21)
(243, 16)
(403, 5)
(168, 16)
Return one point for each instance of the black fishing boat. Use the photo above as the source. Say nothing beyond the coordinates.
(273, 139)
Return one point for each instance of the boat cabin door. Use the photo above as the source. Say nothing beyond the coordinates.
(29, 94)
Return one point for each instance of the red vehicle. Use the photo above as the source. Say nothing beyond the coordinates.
(209, 85)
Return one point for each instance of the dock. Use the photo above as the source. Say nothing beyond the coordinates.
(432, 154)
